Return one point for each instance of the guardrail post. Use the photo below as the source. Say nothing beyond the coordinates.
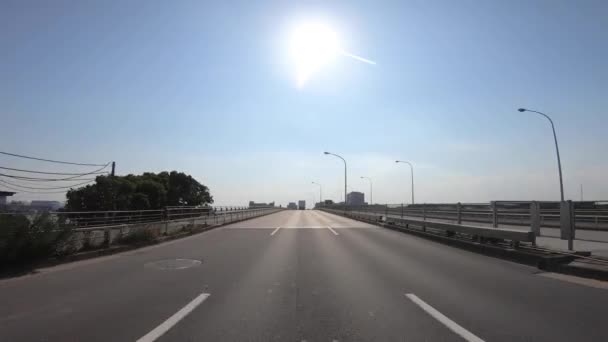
(494, 215)
(566, 218)
(107, 236)
(459, 213)
(597, 223)
(424, 217)
(166, 219)
(535, 218)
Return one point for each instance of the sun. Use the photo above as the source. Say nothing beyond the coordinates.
(312, 45)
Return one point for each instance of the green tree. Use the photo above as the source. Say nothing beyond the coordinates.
(137, 192)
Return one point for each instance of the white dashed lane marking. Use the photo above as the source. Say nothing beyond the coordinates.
(173, 320)
(462, 332)
(333, 231)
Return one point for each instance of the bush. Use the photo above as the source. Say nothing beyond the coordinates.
(26, 239)
(139, 236)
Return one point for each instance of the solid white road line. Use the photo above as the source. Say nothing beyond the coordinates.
(462, 332)
(333, 231)
(171, 321)
(274, 231)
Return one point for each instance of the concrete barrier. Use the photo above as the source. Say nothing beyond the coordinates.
(105, 236)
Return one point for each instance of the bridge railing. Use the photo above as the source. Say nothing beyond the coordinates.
(498, 213)
(90, 219)
(96, 229)
(439, 226)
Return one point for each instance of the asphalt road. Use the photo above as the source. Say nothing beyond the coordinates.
(319, 277)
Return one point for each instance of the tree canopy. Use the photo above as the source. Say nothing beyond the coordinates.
(139, 192)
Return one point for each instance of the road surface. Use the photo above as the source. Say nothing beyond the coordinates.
(300, 276)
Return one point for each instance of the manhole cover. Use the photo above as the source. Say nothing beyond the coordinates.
(173, 264)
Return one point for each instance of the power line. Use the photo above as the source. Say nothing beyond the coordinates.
(35, 192)
(52, 188)
(49, 160)
(35, 179)
(58, 173)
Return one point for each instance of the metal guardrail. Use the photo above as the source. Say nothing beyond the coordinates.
(105, 235)
(515, 236)
(88, 219)
(516, 213)
(96, 229)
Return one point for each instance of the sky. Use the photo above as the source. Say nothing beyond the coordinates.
(209, 89)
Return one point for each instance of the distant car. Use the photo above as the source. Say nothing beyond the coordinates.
(292, 205)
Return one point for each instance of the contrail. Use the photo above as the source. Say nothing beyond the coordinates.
(360, 59)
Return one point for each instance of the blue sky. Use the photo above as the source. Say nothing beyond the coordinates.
(207, 88)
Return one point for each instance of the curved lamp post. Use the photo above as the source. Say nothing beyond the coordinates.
(345, 181)
(320, 193)
(371, 195)
(559, 163)
(412, 171)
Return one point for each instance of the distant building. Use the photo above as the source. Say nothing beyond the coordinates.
(292, 205)
(45, 205)
(355, 198)
(301, 204)
(4, 195)
(252, 204)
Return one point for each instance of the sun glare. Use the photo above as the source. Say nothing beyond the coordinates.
(312, 45)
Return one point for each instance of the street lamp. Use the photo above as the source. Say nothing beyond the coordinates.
(412, 171)
(559, 163)
(320, 193)
(371, 196)
(345, 181)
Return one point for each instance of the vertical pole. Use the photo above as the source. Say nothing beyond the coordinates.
(371, 193)
(412, 169)
(459, 213)
(345, 185)
(535, 218)
(559, 162)
(166, 219)
(494, 215)
(424, 212)
(424, 217)
(581, 192)
(401, 210)
(112, 185)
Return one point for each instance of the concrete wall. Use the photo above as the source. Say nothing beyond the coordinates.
(96, 237)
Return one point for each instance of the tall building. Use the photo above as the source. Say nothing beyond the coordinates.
(355, 198)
